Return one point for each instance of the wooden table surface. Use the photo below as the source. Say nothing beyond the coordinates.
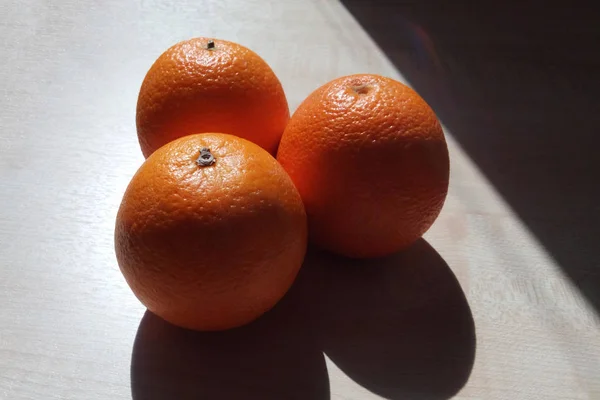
(484, 308)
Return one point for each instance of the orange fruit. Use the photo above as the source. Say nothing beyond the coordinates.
(209, 85)
(211, 232)
(370, 161)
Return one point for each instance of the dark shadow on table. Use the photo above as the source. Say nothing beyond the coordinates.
(274, 357)
(518, 86)
(399, 326)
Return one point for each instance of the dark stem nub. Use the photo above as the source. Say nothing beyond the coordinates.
(361, 89)
(210, 45)
(206, 158)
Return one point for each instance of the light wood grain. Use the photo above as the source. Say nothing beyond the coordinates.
(511, 325)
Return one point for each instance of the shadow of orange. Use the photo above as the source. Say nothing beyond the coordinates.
(274, 357)
(400, 326)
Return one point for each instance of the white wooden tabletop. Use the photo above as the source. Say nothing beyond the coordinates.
(483, 308)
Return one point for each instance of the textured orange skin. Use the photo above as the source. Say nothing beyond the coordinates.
(191, 89)
(210, 248)
(369, 158)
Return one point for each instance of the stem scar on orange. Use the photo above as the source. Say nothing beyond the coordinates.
(370, 161)
(211, 232)
(210, 85)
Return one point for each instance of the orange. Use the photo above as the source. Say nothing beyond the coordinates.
(209, 85)
(211, 232)
(370, 161)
